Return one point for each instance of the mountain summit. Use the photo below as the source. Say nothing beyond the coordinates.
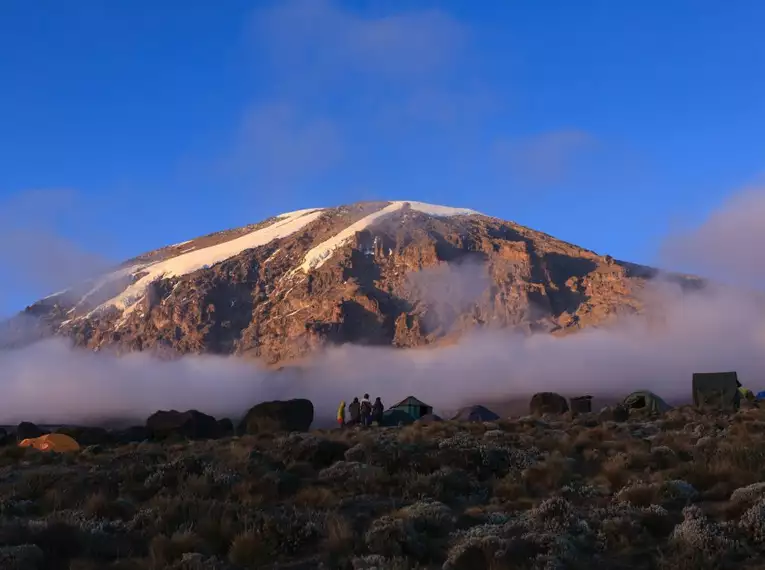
(397, 273)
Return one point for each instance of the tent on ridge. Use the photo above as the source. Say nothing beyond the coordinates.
(645, 400)
(406, 411)
(57, 442)
(393, 418)
(760, 395)
(717, 390)
(429, 419)
(475, 414)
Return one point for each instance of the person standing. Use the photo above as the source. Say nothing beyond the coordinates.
(355, 411)
(341, 414)
(366, 411)
(377, 411)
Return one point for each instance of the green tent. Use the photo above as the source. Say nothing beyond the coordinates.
(393, 418)
(645, 400)
(412, 406)
(716, 390)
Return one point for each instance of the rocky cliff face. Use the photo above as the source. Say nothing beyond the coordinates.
(401, 274)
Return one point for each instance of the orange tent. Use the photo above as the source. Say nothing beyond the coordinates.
(51, 442)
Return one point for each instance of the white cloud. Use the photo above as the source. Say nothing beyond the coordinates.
(706, 332)
(280, 146)
(35, 257)
(546, 158)
(729, 245)
(320, 35)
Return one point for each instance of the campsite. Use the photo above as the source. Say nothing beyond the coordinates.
(382, 285)
(640, 484)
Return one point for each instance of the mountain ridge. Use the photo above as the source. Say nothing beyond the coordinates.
(362, 273)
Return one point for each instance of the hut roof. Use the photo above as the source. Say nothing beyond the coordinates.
(410, 401)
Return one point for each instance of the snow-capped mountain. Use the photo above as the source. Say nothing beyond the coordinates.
(389, 273)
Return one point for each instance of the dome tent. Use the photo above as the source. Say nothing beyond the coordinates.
(475, 414)
(414, 407)
(407, 411)
(429, 419)
(646, 400)
(57, 442)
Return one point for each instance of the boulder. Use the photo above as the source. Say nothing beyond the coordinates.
(28, 430)
(190, 424)
(279, 415)
(86, 435)
(134, 434)
(226, 427)
(548, 403)
(475, 414)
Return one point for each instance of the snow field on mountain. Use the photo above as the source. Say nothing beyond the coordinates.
(286, 225)
(318, 255)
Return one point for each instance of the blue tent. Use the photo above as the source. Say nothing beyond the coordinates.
(761, 395)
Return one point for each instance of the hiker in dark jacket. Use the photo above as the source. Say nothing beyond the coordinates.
(377, 411)
(354, 409)
(366, 411)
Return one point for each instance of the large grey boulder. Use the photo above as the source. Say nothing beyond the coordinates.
(278, 416)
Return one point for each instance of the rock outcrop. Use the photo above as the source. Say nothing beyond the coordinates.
(278, 416)
(87, 435)
(133, 434)
(548, 403)
(28, 430)
(225, 427)
(190, 424)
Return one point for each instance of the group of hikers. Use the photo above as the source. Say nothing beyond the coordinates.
(361, 413)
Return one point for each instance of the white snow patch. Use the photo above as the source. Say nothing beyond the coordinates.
(270, 257)
(182, 243)
(295, 312)
(54, 295)
(105, 280)
(299, 213)
(439, 211)
(286, 225)
(318, 255)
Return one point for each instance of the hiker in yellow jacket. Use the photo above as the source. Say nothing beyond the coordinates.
(747, 394)
(341, 414)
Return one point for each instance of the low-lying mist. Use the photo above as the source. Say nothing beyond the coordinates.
(50, 382)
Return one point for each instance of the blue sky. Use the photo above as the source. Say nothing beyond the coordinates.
(128, 125)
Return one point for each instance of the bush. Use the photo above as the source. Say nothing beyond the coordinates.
(526, 493)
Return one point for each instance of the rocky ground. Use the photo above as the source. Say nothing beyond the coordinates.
(682, 491)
